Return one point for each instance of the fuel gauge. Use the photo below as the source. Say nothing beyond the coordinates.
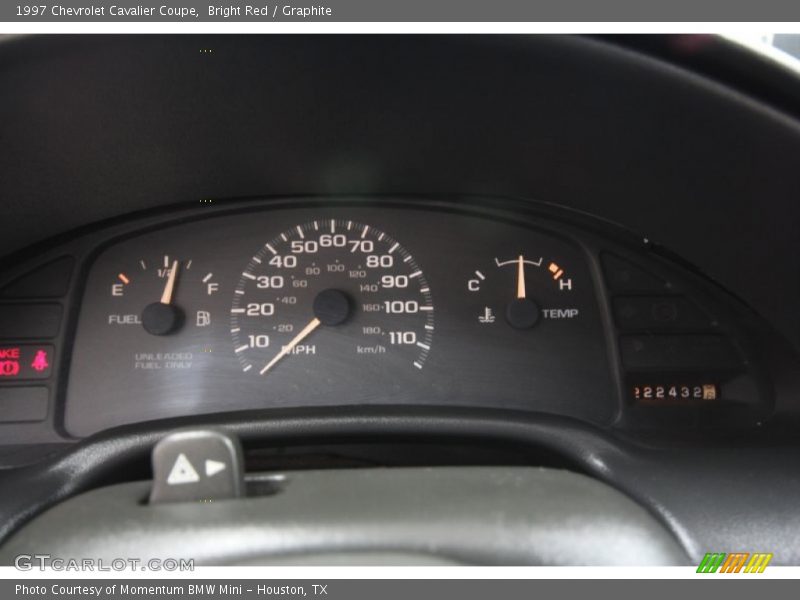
(157, 294)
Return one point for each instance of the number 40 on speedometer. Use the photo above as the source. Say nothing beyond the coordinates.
(331, 288)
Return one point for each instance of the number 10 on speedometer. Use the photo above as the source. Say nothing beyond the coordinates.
(332, 289)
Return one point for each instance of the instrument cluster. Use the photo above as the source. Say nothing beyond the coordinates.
(306, 304)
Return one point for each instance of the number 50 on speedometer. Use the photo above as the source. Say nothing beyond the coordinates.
(333, 289)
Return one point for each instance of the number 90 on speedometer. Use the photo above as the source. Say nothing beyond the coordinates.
(331, 289)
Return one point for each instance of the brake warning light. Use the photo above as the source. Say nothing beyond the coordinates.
(9, 362)
(9, 368)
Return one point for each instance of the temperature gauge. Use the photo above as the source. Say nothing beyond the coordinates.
(521, 291)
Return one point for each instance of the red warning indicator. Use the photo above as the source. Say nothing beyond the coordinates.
(27, 361)
(9, 362)
(40, 361)
(9, 368)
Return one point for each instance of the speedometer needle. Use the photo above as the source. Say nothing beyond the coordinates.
(315, 322)
(169, 288)
(520, 277)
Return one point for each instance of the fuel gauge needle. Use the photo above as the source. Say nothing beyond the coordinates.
(163, 317)
(315, 322)
(521, 278)
(169, 288)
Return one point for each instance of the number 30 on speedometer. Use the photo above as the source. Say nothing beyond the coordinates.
(334, 289)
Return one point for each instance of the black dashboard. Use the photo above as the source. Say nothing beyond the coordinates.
(334, 302)
(396, 250)
(395, 317)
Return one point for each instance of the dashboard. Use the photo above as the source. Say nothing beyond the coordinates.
(557, 253)
(352, 306)
(337, 302)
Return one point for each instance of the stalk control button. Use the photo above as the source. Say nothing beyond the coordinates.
(197, 465)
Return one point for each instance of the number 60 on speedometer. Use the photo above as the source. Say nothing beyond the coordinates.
(335, 289)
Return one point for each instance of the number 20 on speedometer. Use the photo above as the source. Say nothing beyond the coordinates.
(332, 289)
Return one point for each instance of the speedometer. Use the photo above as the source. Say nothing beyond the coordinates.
(336, 289)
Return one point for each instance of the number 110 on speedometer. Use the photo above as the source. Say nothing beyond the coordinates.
(332, 289)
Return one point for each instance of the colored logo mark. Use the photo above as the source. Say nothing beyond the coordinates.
(735, 562)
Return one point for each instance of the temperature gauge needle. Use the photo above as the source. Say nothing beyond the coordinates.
(315, 322)
(522, 312)
(169, 288)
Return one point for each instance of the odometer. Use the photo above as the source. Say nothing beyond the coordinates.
(332, 288)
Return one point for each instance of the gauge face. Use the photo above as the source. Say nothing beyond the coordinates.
(332, 289)
(521, 291)
(161, 294)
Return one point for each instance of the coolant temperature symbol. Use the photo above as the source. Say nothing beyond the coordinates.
(487, 316)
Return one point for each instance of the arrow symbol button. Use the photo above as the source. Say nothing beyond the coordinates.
(214, 466)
